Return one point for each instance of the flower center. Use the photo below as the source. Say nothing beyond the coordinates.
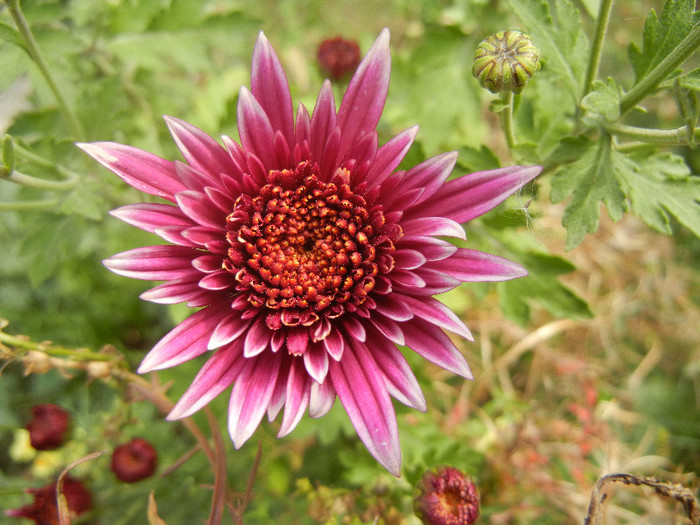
(303, 247)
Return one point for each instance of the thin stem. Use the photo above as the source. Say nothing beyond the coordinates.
(35, 53)
(671, 137)
(57, 351)
(218, 502)
(41, 162)
(44, 204)
(507, 118)
(667, 66)
(42, 184)
(596, 50)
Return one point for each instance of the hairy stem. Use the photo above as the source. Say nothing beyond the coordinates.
(596, 50)
(671, 137)
(667, 66)
(34, 51)
(506, 115)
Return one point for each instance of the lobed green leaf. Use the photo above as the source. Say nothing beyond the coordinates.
(662, 35)
(595, 177)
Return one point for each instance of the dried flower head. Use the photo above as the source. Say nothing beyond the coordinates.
(134, 461)
(44, 509)
(338, 57)
(506, 61)
(48, 427)
(447, 497)
(308, 255)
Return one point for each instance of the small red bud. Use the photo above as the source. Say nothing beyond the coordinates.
(44, 510)
(447, 497)
(48, 427)
(338, 57)
(134, 461)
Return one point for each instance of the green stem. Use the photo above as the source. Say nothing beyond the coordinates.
(45, 204)
(667, 66)
(671, 137)
(57, 351)
(596, 50)
(506, 115)
(41, 184)
(35, 53)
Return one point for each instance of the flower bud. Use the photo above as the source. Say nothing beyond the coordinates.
(338, 57)
(134, 461)
(447, 497)
(44, 509)
(48, 427)
(506, 61)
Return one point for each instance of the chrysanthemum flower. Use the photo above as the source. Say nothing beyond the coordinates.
(308, 255)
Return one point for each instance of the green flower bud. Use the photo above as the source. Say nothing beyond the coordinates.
(506, 61)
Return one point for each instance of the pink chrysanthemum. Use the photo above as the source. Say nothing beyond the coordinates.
(309, 255)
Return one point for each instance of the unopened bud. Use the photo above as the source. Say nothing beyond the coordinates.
(48, 427)
(134, 461)
(506, 61)
(338, 58)
(447, 497)
(44, 509)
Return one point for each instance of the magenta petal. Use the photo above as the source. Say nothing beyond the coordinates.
(389, 156)
(400, 381)
(361, 389)
(472, 195)
(150, 216)
(433, 311)
(334, 344)
(323, 120)
(431, 174)
(407, 259)
(389, 329)
(433, 226)
(220, 280)
(297, 398)
(353, 327)
(270, 88)
(435, 346)
(153, 263)
(217, 374)
(407, 278)
(321, 398)
(184, 342)
(200, 150)
(474, 266)
(255, 130)
(198, 207)
(142, 170)
(175, 291)
(251, 396)
(257, 338)
(316, 362)
(393, 307)
(364, 99)
(431, 248)
(228, 329)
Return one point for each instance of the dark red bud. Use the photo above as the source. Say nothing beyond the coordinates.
(44, 509)
(48, 427)
(134, 461)
(338, 57)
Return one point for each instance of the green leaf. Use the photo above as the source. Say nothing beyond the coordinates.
(595, 177)
(603, 100)
(662, 187)
(555, 28)
(662, 35)
(570, 149)
(11, 35)
(542, 286)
